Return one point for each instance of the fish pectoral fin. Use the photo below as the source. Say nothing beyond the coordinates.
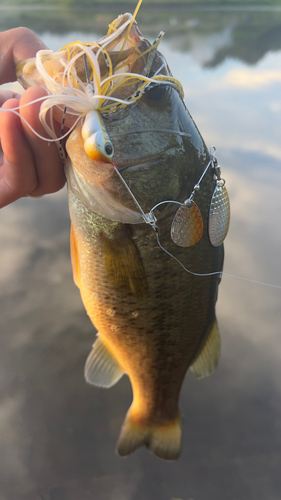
(101, 368)
(74, 257)
(207, 360)
(123, 264)
(163, 440)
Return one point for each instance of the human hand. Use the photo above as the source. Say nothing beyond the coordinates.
(28, 165)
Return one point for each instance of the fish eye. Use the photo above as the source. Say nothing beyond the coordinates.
(156, 92)
(108, 149)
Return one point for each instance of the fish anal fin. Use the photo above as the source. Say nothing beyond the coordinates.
(101, 368)
(123, 264)
(74, 257)
(163, 440)
(207, 360)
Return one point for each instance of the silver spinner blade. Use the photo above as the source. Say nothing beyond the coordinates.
(219, 215)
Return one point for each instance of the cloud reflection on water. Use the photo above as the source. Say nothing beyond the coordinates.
(231, 115)
(249, 79)
(59, 434)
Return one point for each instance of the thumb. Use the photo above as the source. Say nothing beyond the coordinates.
(16, 45)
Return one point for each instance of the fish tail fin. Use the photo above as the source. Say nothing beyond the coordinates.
(164, 440)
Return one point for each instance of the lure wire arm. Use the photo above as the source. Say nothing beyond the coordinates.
(150, 218)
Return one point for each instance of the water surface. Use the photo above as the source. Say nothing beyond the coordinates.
(58, 435)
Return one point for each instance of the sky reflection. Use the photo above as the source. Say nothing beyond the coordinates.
(58, 434)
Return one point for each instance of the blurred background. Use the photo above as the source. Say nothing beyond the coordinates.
(58, 434)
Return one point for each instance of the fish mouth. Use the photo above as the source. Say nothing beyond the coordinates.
(142, 162)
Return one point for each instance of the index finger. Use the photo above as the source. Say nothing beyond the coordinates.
(16, 45)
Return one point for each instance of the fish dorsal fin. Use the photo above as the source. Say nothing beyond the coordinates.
(207, 360)
(101, 368)
(74, 257)
(123, 264)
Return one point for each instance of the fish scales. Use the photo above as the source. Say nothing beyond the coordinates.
(155, 320)
(156, 337)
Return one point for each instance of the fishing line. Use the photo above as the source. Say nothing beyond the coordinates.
(150, 219)
(220, 273)
(180, 263)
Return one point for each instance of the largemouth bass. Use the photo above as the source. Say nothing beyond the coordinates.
(136, 147)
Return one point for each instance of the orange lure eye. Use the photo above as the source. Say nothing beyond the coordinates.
(97, 143)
